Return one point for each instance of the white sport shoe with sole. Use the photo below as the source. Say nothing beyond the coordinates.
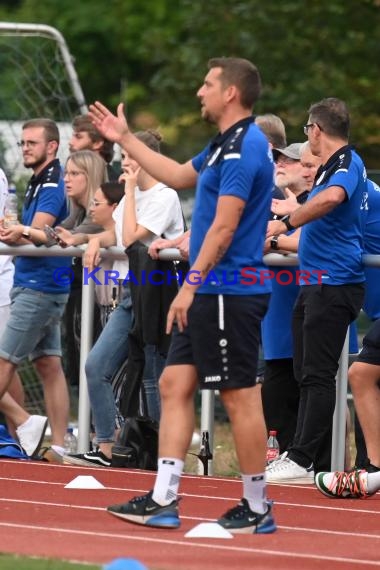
(287, 471)
(31, 434)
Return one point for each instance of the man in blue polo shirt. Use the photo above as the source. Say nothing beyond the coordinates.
(364, 379)
(38, 297)
(217, 313)
(330, 251)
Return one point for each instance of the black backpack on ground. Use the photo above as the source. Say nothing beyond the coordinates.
(137, 444)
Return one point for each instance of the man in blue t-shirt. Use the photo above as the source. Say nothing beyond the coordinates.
(364, 378)
(218, 310)
(38, 297)
(330, 254)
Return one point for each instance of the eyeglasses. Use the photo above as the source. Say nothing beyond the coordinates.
(29, 144)
(309, 125)
(73, 173)
(98, 202)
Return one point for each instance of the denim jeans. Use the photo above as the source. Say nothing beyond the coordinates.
(105, 358)
(33, 326)
(154, 365)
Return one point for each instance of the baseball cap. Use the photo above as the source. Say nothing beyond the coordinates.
(291, 151)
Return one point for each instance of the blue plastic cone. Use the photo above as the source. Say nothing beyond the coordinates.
(124, 564)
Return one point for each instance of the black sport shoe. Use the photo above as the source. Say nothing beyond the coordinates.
(241, 520)
(143, 510)
(91, 458)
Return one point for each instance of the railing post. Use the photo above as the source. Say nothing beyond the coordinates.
(338, 444)
(87, 320)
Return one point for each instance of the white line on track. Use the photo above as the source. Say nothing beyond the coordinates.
(184, 517)
(208, 497)
(212, 546)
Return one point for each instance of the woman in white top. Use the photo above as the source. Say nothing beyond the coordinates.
(148, 210)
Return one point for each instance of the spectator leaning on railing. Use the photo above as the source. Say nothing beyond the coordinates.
(38, 301)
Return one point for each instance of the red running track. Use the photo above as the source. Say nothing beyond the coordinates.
(40, 517)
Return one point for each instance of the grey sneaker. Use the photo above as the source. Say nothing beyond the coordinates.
(31, 434)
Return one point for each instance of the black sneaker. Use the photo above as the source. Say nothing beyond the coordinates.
(91, 458)
(143, 510)
(241, 520)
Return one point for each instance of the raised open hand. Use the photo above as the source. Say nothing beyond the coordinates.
(112, 127)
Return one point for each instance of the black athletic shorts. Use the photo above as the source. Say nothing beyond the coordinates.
(221, 340)
(370, 353)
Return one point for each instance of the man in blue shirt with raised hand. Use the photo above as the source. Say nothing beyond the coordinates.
(39, 294)
(216, 315)
(330, 254)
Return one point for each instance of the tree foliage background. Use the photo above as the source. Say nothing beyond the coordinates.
(153, 55)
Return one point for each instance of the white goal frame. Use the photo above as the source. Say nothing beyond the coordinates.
(10, 130)
(41, 30)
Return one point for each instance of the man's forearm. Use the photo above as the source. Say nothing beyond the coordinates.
(214, 247)
(317, 206)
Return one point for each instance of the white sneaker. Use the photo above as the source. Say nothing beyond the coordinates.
(31, 434)
(284, 470)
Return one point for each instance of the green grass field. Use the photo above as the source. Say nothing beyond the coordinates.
(23, 563)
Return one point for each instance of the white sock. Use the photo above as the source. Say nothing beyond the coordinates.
(254, 490)
(373, 482)
(167, 481)
(58, 449)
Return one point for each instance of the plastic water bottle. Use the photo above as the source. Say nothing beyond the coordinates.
(70, 442)
(273, 448)
(10, 210)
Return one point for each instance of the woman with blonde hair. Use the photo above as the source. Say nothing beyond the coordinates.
(85, 171)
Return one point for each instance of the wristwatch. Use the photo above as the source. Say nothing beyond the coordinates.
(26, 232)
(274, 242)
(285, 220)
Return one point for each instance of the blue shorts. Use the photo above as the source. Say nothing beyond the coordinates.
(221, 340)
(33, 328)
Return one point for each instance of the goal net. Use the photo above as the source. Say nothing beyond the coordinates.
(38, 79)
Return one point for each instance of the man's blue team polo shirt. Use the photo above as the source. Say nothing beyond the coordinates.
(333, 244)
(45, 193)
(236, 163)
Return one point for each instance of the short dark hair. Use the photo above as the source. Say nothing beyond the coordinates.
(332, 115)
(241, 73)
(83, 124)
(113, 191)
(50, 128)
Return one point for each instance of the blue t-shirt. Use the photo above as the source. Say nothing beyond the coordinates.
(333, 244)
(276, 326)
(372, 246)
(45, 193)
(236, 163)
